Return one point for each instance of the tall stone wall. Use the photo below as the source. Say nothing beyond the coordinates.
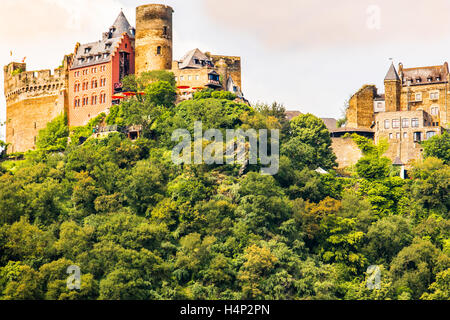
(154, 47)
(360, 112)
(33, 98)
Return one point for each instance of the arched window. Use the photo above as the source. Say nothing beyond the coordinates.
(94, 99)
(158, 50)
(76, 87)
(76, 102)
(85, 101)
(94, 83)
(102, 82)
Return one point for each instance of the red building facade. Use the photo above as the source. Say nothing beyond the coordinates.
(96, 71)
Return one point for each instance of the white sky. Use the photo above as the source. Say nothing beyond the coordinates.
(310, 55)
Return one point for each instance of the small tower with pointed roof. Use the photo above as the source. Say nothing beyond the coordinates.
(392, 87)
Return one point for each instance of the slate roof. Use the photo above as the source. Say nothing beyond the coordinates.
(120, 26)
(392, 74)
(94, 53)
(190, 59)
(425, 75)
(330, 123)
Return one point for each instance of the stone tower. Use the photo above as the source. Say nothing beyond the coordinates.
(392, 89)
(153, 37)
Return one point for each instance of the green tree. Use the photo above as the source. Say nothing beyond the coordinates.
(312, 131)
(55, 136)
(438, 147)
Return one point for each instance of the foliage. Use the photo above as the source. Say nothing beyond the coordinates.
(54, 137)
(438, 147)
(140, 227)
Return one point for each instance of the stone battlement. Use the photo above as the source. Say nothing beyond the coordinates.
(31, 84)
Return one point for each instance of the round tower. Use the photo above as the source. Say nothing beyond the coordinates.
(153, 37)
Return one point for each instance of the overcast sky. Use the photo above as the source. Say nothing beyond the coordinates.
(310, 55)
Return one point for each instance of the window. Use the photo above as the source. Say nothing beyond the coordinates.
(158, 50)
(165, 31)
(105, 55)
(176, 78)
(197, 77)
(430, 134)
(418, 80)
(414, 122)
(405, 123)
(398, 135)
(102, 97)
(103, 82)
(181, 78)
(94, 100)
(418, 96)
(417, 136)
(189, 78)
(387, 124)
(107, 46)
(395, 124)
(391, 136)
(438, 78)
(76, 102)
(434, 111)
(434, 95)
(405, 135)
(126, 45)
(87, 50)
(94, 84)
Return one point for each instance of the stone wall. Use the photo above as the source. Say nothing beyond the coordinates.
(33, 98)
(154, 48)
(360, 112)
(346, 151)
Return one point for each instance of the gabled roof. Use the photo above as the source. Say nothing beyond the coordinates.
(93, 53)
(120, 26)
(189, 60)
(392, 74)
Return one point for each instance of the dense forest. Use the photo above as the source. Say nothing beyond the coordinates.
(141, 227)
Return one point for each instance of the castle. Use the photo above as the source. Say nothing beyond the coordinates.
(88, 81)
(413, 109)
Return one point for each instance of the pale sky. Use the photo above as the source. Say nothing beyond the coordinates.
(310, 55)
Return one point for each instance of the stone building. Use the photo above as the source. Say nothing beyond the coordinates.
(33, 98)
(85, 85)
(97, 70)
(413, 108)
(196, 70)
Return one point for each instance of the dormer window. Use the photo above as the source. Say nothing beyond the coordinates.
(438, 78)
(87, 50)
(418, 80)
(197, 61)
(105, 55)
(429, 79)
(108, 46)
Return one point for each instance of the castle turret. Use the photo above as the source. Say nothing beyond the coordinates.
(154, 47)
(392, 89)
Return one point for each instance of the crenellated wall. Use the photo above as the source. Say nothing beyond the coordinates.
(33, 98)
